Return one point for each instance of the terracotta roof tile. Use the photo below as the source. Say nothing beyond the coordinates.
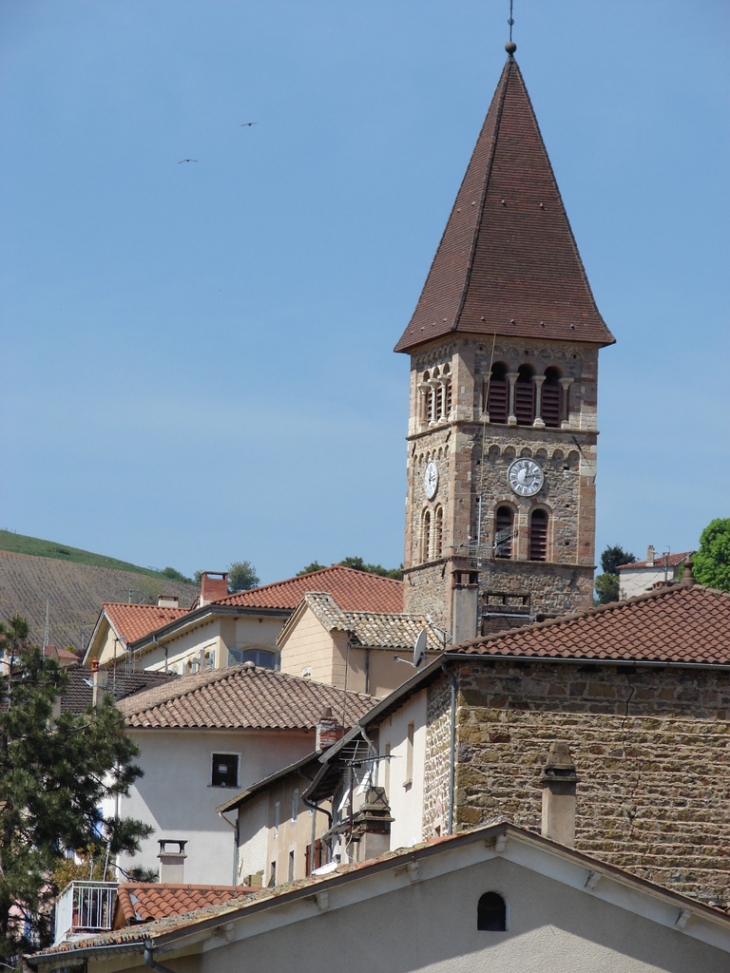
(352, 590)
(78, 694)
(386, 630)
(132, 622)
(679, 623)
(672, 560)
(507, 262)
(145, 902)
(241, 697)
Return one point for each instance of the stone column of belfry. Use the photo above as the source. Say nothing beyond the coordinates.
(508, 308)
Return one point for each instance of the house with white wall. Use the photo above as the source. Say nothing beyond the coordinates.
(641, 576)
(212, 733)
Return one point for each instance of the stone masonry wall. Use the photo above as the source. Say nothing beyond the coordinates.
(652, 751)
(436, 776)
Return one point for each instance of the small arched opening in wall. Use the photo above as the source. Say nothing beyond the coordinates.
(437, 547)
(538, 534)
(491, 913)
(504, 528)
(552, 406)
(525, 396)
(496, 395)
(425, 535)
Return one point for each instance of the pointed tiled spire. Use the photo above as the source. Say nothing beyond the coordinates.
(507, 262)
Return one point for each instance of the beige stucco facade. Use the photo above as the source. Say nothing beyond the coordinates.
(307, 648)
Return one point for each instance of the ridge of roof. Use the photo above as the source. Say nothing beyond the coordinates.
(163, 933)
(507, 262)
(672, 561)
(355, 589)
(239, 697)
(662, 636)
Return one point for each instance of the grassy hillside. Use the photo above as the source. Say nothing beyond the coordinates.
(73, 583)
(20, 544)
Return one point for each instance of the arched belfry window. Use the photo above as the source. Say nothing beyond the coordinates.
(538, 535)
(498, 393)
(551, 403)
(492, 913)
(504, 523)
(525, 396)
(425, 535)
(438, 532)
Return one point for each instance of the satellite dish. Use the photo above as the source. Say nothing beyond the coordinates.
(419, 649)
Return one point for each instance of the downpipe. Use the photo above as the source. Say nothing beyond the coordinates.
(149, 958)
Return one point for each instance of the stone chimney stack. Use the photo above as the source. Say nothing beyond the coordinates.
(650, 554)
(687, 577)
(172, 860)
(371, 825)
(464, 605)
(559, 782)
(213, 585)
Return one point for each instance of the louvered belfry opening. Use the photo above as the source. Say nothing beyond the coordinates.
(498, 394)
(525, 396)
(503, 527)
(425, 536)
(551, 411)
(538, 535)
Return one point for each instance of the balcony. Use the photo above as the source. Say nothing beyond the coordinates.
(84, 909)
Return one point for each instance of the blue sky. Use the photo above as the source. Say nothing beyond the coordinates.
(198, 360)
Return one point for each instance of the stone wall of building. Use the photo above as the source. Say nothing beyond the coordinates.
(436, 772)
(652, 751)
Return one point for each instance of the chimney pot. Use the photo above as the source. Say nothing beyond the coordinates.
(559, 781)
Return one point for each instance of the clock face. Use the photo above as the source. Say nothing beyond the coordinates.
(525, 477)
(431, 480)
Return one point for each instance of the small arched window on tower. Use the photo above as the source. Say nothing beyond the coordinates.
(538, 535)
(425, 535)
(504, 522)
(551, 404)
(491, 913)
(525, 396)
(446, 379)
(438, 532)
(497, 404)
(427, 398)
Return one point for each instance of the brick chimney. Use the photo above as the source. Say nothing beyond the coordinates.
(329, 731)
(172, 860)
(559, 782)
(213, 585)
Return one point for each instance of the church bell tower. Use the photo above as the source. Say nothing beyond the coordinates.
(504, 340)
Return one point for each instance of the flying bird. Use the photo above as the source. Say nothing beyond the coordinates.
(186, 160)
(248, 124)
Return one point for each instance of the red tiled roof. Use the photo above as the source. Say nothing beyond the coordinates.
(241, 698)
(671, 560)
(352, 590)
(132, 622)
(507, 262)
(679, 623)
(144, 902)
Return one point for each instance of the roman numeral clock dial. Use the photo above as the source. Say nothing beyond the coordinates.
(431, 480)
(525, 477)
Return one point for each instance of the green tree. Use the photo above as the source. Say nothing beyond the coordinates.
(174, 575)
(314, 566)
(242, 576)
(359, 565)
(607, 584)
(711, 563)
(55, 771)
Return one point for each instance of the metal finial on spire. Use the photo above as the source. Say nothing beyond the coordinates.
(510, 47)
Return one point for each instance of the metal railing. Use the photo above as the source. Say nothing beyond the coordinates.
(85, 908)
